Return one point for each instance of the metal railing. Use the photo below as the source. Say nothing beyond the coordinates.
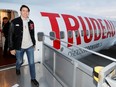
(69, 72)
(93, 52)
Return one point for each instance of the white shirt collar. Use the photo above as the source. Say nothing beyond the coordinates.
(25, 20)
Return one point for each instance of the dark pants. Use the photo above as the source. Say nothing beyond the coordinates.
(5, 46)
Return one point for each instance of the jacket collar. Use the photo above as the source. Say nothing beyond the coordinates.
(24, 20)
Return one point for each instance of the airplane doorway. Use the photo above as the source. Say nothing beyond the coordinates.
(7, 59)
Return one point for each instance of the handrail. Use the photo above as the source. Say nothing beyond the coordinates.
(67, 58)
(99, 54)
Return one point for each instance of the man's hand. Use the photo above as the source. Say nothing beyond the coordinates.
(3, 34)
(34, 48)
(13, 52)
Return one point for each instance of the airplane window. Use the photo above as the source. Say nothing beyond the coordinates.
(105, 31)
(76, 33)
(52, 35)
(87, 32)
(70, 34)
(98, 32)
(95, 31)
(91, 31)
(40, 36)
(82, 32)
(62, 35)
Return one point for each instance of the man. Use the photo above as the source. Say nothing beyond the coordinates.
(21, 39)
(6, 26)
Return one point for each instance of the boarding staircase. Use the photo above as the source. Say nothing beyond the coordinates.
(61, 70)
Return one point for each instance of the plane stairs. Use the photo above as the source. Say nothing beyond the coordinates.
(62, 70)
(57, 69)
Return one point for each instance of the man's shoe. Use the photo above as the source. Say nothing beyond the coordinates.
(35, 82)
(18, 72)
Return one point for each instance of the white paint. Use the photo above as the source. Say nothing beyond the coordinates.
(97, 7)
(42, 24)
(16, 85)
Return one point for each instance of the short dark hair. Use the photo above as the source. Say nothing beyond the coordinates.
(5, 18)
(24, 6)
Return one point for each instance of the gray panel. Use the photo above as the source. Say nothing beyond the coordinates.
(71, 72)
(84, 80)
(64, 70)
(48, 57)
(49, 78)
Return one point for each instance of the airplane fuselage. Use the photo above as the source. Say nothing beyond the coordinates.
(92, 32)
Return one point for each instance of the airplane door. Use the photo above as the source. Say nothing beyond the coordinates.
(6, 59)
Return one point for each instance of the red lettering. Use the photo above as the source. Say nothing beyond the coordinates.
(72, 24)
(54, 24)
(103, 29)
(71, 27)
(88, 39)
(94, 22)
(112, 28)
(108, 28)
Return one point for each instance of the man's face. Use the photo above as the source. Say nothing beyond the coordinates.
(24, 12)
(5, 21)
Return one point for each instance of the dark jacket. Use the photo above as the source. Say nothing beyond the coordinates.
(16, 33)
(5, 29)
